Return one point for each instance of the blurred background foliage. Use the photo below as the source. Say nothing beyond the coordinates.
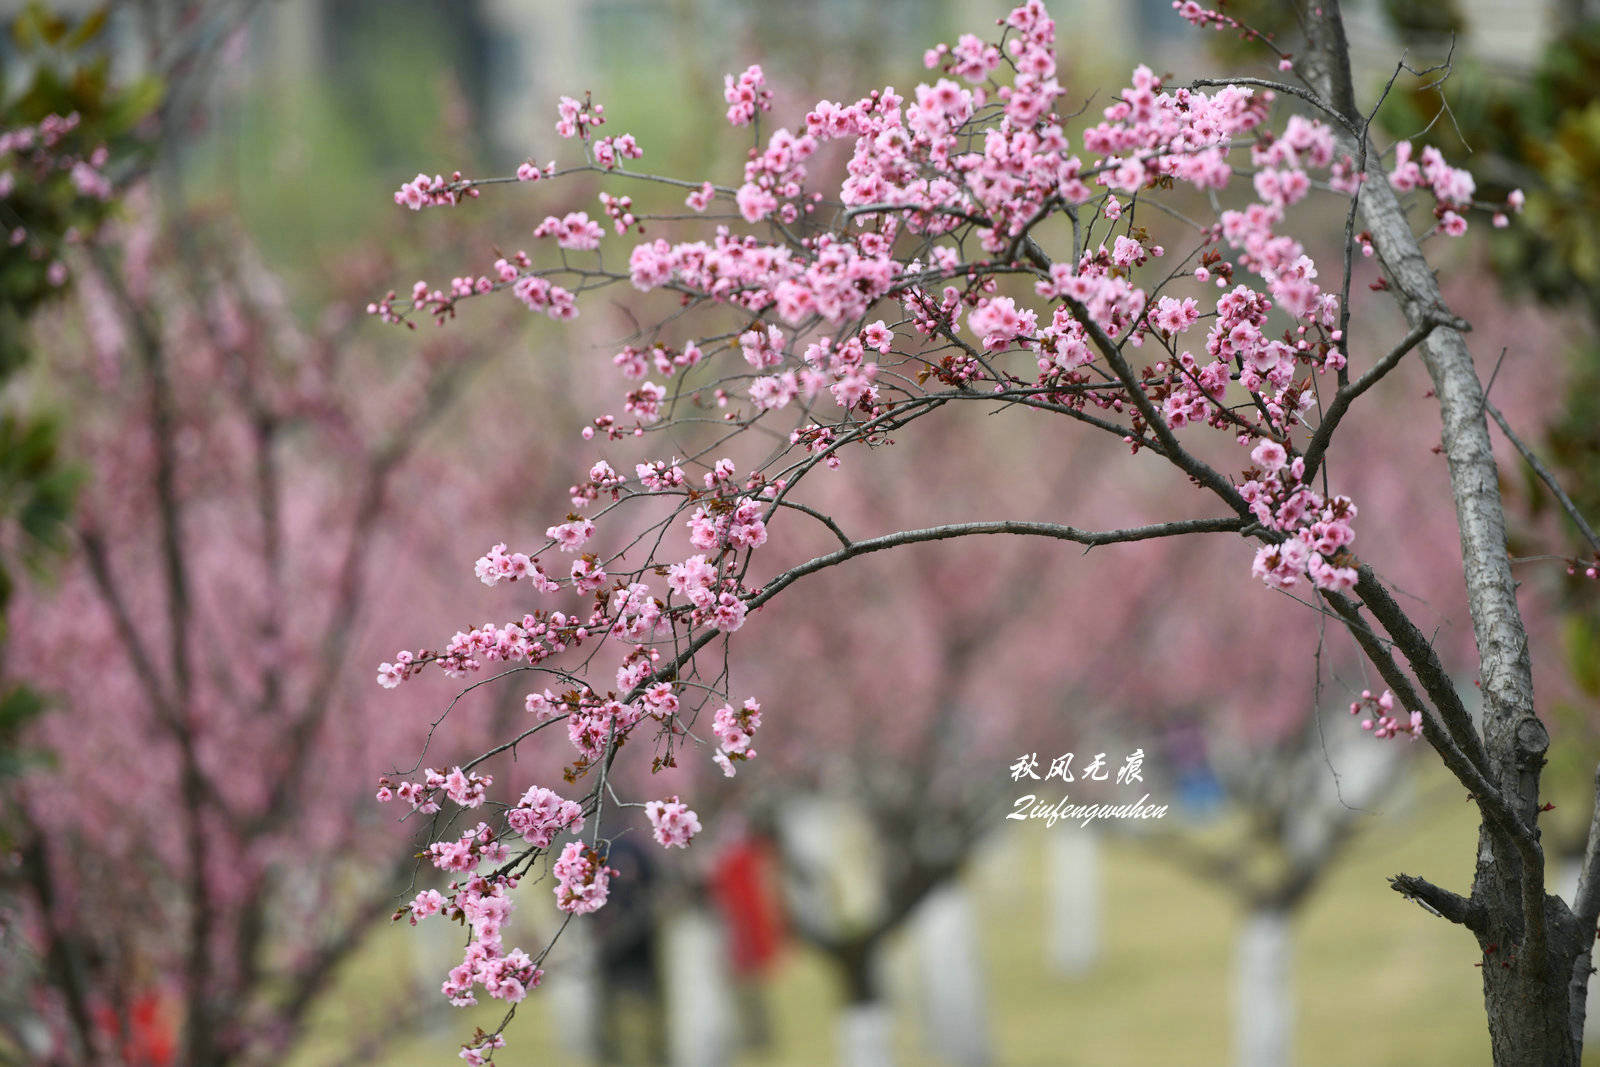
(55, 65)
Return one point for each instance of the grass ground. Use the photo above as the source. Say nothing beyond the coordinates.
(1377, 980)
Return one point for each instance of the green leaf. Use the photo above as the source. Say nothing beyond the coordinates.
(87, 30)
(134, 103)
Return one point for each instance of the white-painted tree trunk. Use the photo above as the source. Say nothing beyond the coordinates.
(866, 1034)
(956, 1023)
(1263, 997)
(435, 946)
(573, 986)
(1072, 910)
(296, 36)
(541, 49)
(701, 1026)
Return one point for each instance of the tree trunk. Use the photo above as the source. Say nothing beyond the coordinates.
(866, 1024)
(700, 998)
(1072, 855)
(1536, 1014)
(576, 998)
(956, 1026)
(1263, 993)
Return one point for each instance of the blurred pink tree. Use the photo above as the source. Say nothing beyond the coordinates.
(203, 854)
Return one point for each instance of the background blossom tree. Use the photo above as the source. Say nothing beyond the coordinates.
(246, 526)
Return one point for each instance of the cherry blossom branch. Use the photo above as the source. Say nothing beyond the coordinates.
(1087, 538)
(1282, 87)
(826, 520)
(1196, 468)
(1424, 660)
(1438, 736)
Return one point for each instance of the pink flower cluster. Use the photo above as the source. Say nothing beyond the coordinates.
(497, 566)
(610, 151)
(575, 231)
(583, 881)
(998, 322)
(746, 94)
(1452, 187)
(620, 210)
(736, 527)
(479, 1051)
(774, 175)
(593, 723)
(541, 814)
(735, 729)
(972, 59)
(1384, 722)
(575, 118)
(539, 294)
(672, 822)
(466, 789)
(700, 199)
(1320, 530)
(423, 191)
(476, 846)
(529, 171)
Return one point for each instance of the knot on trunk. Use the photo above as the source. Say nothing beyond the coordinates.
(1533, 740)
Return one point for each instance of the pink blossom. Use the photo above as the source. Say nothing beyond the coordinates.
(700, 199)
(582, 880)
(541, 814)
(746, 94)
(672, 822)
(570, 536)
(575, 230)
(1270, 455)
